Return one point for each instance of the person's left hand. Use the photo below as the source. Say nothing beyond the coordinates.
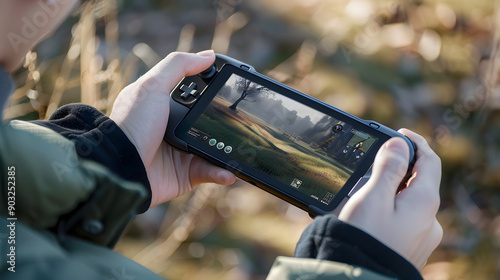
(142, 109)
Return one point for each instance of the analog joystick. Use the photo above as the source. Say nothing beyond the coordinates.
(208, 73)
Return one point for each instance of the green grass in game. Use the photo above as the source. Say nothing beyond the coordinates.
(275, 153)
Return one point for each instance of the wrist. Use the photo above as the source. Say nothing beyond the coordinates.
(328, 238)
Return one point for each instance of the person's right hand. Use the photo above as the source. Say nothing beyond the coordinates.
(405, 222)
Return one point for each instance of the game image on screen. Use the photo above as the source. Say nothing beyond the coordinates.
(282, 138)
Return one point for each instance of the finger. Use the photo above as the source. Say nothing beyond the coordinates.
(168, 72)
(437, 234)
(389, 169)
(422, 192)
(429, 242)
(203, 172)
(427, 162)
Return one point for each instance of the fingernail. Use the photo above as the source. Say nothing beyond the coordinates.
(206, 53)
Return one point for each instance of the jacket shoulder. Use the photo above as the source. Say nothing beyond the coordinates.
(47, 178)
(56, 189)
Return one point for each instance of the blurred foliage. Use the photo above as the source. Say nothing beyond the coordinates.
(431, 66)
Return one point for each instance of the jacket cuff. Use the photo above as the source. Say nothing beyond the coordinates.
(328, 238)
(286, 268)
(98, 138)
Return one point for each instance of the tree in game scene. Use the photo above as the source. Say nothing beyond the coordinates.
(248, 89)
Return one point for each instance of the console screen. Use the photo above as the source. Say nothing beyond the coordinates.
(286, 140)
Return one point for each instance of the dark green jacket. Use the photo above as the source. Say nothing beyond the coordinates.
(68, 210)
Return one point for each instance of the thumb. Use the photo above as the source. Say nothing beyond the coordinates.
(202, 171)
(389, 169)
(168, 72)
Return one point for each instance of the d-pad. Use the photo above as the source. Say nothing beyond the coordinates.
(189, 91)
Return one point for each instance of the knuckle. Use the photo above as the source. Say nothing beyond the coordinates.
(393, 160)
(148, 84)
(436, 159)
(430, 202)
(174, 55)
(430, 155)
(393, 167)
(424, 203)
(419, 140)
(177, 56)
(438, 233)
(434, 208)
(429, 161)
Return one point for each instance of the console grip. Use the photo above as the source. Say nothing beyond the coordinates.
(177, 113)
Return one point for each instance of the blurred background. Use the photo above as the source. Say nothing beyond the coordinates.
(431, 66)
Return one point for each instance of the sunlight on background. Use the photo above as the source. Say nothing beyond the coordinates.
(431, 66)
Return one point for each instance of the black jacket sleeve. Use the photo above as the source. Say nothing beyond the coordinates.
(98, 138)
(328, 238)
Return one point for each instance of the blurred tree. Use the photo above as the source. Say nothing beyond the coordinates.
(248, 89)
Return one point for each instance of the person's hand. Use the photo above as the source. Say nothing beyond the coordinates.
(405, 222)
(142, 109)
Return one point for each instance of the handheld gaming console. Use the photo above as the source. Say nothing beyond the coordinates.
(288, 143)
